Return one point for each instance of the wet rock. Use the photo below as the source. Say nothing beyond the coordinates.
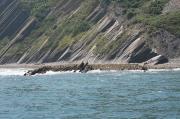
(42, 70)
(81, 67)
(84, 68)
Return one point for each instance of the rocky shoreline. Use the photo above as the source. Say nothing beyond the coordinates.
(85, 67)
(58, 67)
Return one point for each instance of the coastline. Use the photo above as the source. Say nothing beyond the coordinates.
(54, 65)
(103, 66)
(33, 69)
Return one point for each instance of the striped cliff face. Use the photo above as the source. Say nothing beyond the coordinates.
(172, 5)
(74, 30)
(12, 18)
(15, 24)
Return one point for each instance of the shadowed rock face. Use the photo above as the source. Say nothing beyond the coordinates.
(166, 43)
(12, 18)
(76, 31)
(157, 60)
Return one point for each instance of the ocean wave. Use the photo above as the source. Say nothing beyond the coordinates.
(176, 69)
(22, 71)
(163, 70)
(13, 71)
(96, 71)
(134, 71)
(60, 72)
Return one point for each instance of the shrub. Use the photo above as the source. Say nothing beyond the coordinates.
(156, 7)
(130, 14)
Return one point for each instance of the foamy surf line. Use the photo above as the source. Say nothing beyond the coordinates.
(60, 72)
(13, 71)
(22, 71)
(163, 70)
(112, 71)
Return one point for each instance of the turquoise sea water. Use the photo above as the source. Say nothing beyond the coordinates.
(96, 95)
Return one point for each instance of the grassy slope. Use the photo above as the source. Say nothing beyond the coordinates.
(141, 11)
(59, 35)
(149, 12)
(136, 11)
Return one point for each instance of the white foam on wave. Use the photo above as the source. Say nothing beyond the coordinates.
(61, 72)
(176, 69)
(22, 71)
(135, 71)
(69, 72)
(110, 71)
(95, 71)
(13, 71)
(102, 71)
(163, 70)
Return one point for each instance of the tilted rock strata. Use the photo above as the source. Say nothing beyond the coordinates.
(109, 38)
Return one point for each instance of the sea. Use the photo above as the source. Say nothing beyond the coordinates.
(154, 94)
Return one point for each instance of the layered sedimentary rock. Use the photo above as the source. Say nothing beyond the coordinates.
(76, 31)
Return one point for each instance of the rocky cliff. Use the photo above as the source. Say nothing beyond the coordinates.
(98, 31)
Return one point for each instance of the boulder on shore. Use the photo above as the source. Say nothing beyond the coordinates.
(157, 60)
(83, 68)
(42, 70)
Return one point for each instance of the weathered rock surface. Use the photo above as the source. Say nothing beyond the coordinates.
(157, 60)
(108, 40)
(84, 68)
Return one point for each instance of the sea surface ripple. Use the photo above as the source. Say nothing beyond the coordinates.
(95, 95)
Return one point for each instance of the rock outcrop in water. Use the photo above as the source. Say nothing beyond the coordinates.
(97, 31)
(84, 68)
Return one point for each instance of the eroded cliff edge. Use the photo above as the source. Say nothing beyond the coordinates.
(97, 31)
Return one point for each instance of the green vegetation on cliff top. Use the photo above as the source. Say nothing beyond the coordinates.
(150, 13)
